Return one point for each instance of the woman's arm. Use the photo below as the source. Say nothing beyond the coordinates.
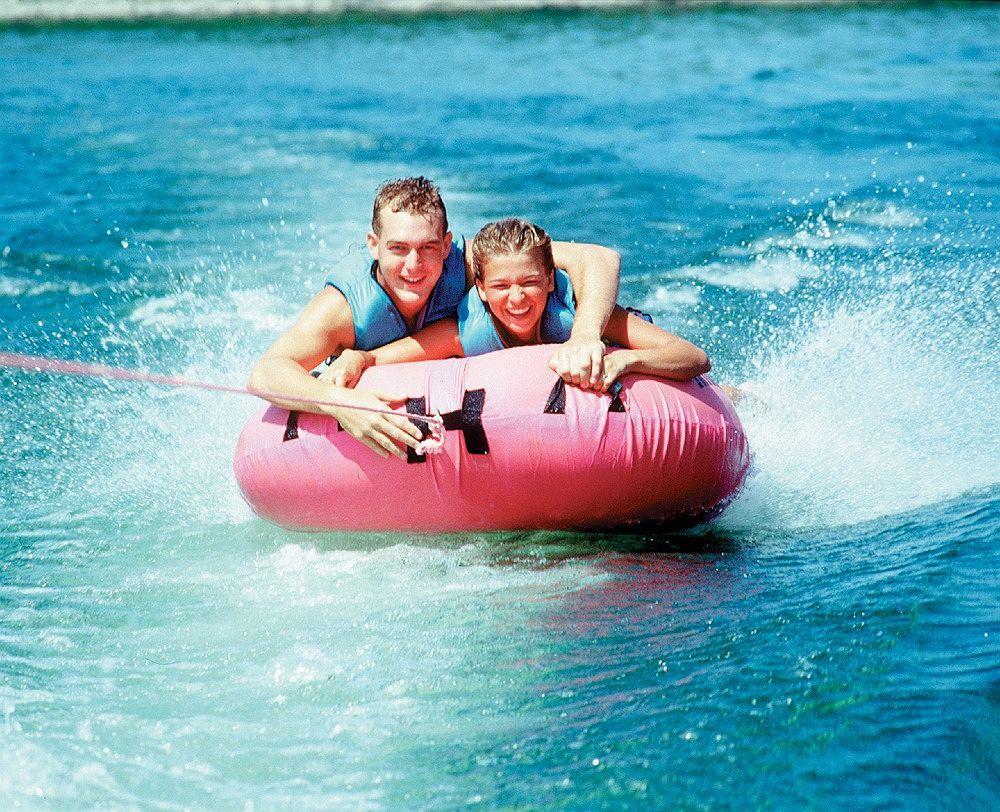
(649, 350)
(437, 340)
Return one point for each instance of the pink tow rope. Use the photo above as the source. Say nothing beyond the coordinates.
(36, 363)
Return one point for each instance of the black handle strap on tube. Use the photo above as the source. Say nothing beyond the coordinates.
(556, 403)
(468, 420)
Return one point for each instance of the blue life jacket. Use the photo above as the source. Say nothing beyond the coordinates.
(377, 320)
(479, 335)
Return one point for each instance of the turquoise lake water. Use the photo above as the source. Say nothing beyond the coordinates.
(810, 194)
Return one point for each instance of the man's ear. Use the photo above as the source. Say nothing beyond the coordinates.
(372, 241)
(447, 243)
(481, 290)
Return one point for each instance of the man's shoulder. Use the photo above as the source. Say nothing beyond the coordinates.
(329, 307)
(356, 289)
(470, 303)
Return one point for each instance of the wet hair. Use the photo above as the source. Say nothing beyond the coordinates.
(511, 236)
(414, 195)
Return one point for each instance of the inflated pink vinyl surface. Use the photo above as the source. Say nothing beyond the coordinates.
(676, 453)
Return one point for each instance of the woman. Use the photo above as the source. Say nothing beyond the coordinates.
(521, 298)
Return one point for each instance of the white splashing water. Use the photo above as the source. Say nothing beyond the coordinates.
(872, 410)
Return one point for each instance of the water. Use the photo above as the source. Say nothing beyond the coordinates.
(810, 194)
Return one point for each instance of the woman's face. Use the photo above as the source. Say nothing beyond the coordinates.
(515, 287)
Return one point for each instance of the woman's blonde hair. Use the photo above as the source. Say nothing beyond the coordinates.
(511, 236)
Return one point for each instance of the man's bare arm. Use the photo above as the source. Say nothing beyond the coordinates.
(594, 271)
(326, 327)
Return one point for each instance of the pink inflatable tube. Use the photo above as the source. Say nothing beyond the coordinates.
(521, 451)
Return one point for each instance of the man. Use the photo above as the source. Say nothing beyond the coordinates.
(417, 276)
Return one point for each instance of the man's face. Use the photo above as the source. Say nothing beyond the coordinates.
(410, 250)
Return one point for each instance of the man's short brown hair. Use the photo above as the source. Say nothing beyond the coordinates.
(511, 236)
(414, 195)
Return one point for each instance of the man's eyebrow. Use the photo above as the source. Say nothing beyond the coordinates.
(420, 244)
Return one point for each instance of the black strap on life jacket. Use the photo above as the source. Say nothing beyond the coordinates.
(556, 404)
(468, 419)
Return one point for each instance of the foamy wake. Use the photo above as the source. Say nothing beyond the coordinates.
(670, 300)
(871, 410)
(13, 288)
(786, 257)
(877, 214)
(768, 272)
(258, 310)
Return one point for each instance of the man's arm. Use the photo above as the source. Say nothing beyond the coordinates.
(326, 327)
(594, 271)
